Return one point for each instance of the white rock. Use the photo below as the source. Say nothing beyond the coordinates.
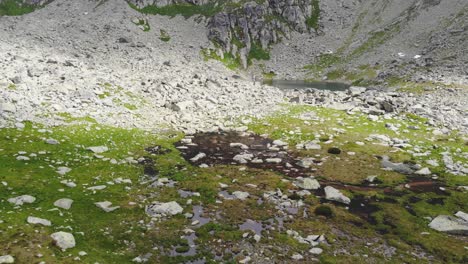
(52, 141)
(238, 145)
(371, 178)
(316, 251)
(312, 146)
(449, 224)
(63, 170)
(98, 149)
(297, 256)
(279, 143)
(243, 158)
(38, 221)
(20, 200)
(7, 107)
(63, 240)
(68, 183)
(158, 208)
(245, 260)
(106, 206)
(308, 184)
(273, 160)
(198, 157)
(97, 188)
(462, 215)
(24, 158)
(241, 195)
(64, 203)
(7, 259)
(333, 194)
(257, 238)
(423, 171)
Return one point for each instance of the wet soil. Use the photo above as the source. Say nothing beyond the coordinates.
(219, 150)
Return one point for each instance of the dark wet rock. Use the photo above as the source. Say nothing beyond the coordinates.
(157, 150)
(334, 150)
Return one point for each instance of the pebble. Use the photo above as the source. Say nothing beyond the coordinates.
(316, 251)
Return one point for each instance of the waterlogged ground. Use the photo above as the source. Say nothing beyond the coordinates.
(233, 211)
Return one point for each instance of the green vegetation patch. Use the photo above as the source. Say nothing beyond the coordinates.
(313, 21)
(15, 8)
(164, 36)
(185, 10)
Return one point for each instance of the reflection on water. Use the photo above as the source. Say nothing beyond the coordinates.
(301, 84)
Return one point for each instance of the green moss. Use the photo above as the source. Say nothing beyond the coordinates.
(185, 10)
(144, 24)
(164, 36)
(313, 21)
(324, 211)
(228, 59)
(15, 8)
(130, 106)
(258, 53)
(12, 87)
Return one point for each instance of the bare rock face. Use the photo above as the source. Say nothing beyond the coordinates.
(237, 30)
(161, 3)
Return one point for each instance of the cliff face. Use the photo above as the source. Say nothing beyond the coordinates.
(263, 24)
(240, 25)
(161, 3)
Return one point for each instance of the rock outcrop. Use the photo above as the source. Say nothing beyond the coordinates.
(238, 28)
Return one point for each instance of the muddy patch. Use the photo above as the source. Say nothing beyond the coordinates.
(231, 148)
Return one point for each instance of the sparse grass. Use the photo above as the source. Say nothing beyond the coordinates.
(185, 10)
(313, 21)
(228, 60)
(354, 169)
(258, 53)
(119, 236)
(14, 8)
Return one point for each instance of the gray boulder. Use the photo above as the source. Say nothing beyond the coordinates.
(333, 194)
(63, 240)
(157, 209)
(449, 224)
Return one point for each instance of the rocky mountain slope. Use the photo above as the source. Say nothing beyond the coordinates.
(131, 132)
(111, 71)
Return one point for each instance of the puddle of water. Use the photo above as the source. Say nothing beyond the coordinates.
(192, 247)
(301, 84)
(197, 216)
(252, 226)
